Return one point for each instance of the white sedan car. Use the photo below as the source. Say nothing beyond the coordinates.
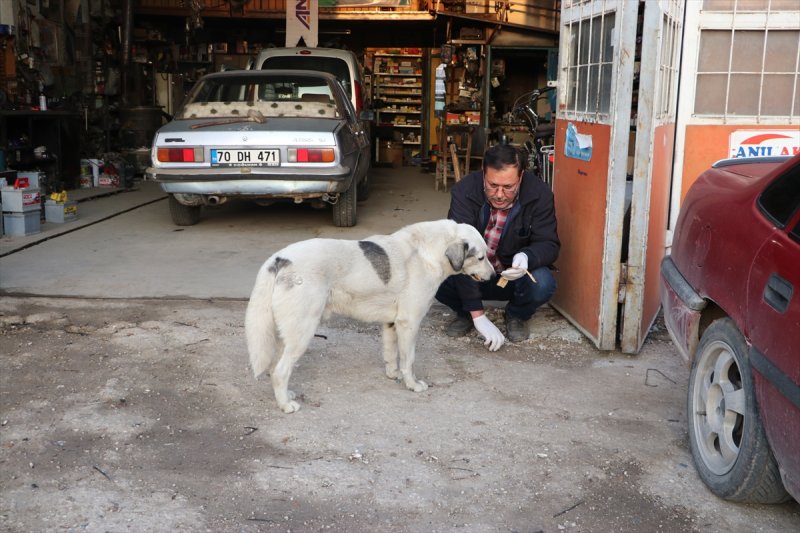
(263, 135)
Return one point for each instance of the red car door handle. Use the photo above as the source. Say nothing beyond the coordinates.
(778, 293)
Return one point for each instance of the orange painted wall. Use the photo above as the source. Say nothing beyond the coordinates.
(658, 221)
(580, 196)
(706, 144)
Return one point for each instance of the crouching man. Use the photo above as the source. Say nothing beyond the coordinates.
(514, 211)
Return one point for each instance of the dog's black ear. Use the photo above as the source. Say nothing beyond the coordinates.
(456, 253)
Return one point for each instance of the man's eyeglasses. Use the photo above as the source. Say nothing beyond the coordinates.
(505, 189)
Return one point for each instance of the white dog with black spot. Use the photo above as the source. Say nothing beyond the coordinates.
(389, 279)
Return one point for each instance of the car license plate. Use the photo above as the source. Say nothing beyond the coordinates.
(245, 158)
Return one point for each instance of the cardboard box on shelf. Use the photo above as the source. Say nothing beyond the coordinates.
(391, 152)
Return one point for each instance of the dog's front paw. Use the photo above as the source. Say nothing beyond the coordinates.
(393, 373)
(419, 386)
(290, 407)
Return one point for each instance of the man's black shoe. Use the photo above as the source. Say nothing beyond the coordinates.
(459, 327)
(516, 329)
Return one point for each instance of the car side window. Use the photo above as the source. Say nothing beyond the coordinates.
(781, 199)
(350, 113)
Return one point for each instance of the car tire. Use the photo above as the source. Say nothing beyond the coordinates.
(183, 215)
(363, 188)
(344, 210)
(726, 436)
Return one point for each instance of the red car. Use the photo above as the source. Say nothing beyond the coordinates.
(731, 296)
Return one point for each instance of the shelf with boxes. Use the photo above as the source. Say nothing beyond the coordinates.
(398, 96)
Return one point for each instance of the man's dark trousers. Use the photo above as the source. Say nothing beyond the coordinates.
(524, 296)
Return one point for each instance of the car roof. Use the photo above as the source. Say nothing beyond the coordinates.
(327, 52)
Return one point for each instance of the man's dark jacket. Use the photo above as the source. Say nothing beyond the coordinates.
(530, 227)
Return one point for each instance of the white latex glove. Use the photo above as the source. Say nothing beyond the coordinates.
(519, 266)
(493, 338)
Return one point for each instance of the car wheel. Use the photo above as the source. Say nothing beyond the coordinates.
(727, 439)
(344, 210)
(183, 215)
(363, 189)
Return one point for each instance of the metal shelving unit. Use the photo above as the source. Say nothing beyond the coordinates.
(398, 89)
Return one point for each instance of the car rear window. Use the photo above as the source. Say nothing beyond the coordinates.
(332, 65)
(264, 96)
(781, 199)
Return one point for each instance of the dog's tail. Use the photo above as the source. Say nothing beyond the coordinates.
(260, 323)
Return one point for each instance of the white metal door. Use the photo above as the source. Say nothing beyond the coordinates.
(658, 59)
(593, 123)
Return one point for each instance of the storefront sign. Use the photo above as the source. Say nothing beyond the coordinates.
(302, 22)
(764, 143)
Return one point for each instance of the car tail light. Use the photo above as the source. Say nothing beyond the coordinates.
(180, 155)
(311, 155)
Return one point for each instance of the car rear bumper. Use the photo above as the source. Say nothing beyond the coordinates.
(682, 308)
(265, 186)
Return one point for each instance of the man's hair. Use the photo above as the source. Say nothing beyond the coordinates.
(500, 156)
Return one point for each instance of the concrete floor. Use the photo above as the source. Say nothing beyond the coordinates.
(126, 403)
(125, 244)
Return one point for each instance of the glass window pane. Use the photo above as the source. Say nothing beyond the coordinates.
(744, 93)
(718, 5)
(782, 51)
(783, 5)
(659, 102)
(572, 87)
(714, 51)
(710, 94)
(605, 88)
(588, 88)
(597, 29)
(728, 6)
(583, 79)
(584, 41)
(796, 108)
(748, 51)
(573, 45)
(608, 37)
(777, 98)
(594, 87)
